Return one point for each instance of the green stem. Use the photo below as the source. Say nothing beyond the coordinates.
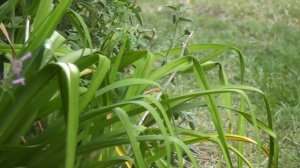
(13, 14)
(172, 40)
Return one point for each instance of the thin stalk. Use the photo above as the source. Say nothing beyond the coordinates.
(241, 131)
(12, 36)
(172, 40)
(167, 83)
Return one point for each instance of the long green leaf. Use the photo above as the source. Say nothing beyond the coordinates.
(47, 27)
(44, 9)
(69, 82)
(125, 82)
(133, 141)
(98, 76)
(213, 109)
(81, 27)
(7, 7)
(117, 61)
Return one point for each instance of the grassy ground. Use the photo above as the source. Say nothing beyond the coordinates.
(268, 32)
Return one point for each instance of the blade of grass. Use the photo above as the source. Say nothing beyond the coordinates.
(213, 109)
(69, 82)
(81, 27)
(133, 141)
(98, 77)
(117, 61)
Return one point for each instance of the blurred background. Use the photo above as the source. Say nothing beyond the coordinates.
(267, 32)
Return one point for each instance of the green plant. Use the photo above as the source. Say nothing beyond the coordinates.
(100, 123)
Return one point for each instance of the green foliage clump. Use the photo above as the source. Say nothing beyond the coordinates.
(104, 102)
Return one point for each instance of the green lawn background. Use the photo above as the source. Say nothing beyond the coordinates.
(268, 33)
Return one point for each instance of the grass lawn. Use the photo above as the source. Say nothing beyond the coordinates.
(268, 33)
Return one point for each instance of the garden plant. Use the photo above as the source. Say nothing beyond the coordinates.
(82, 87)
